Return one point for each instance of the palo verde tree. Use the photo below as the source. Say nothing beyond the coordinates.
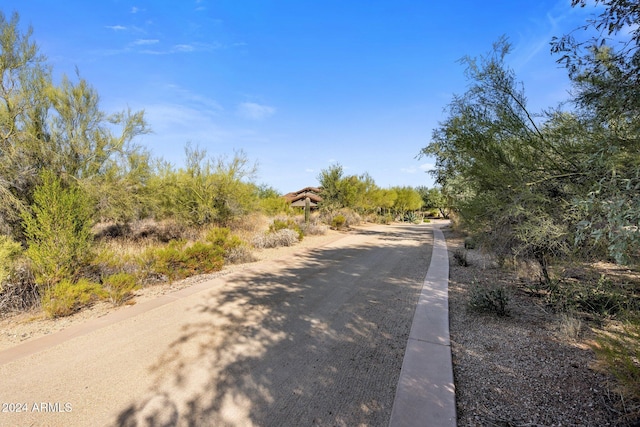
(357, 192)
(603, 62)
(24, 79)
(329, 180)
(207, 190)
(59, 128)
(559, 183)
(407, 200)
(511, 175)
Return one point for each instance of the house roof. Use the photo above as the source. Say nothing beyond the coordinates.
(313, 193)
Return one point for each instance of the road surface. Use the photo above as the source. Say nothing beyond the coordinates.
(313, 339)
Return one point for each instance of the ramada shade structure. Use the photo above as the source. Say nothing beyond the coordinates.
(297, 198)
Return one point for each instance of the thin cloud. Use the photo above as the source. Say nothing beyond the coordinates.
(427, 167)
(183, 48)
(210, 105)
(145, 42)
(179, 48)
(184, 123)
(255, 111)
(116, 27)
(134, 10)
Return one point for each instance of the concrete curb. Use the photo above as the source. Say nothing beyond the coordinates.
(425, 395)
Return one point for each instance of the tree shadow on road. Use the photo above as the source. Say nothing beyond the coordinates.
(319, 341)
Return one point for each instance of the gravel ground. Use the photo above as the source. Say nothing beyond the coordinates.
(526, 369)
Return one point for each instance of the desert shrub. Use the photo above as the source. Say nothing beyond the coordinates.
(235, 250)
(167, 260)
(284, 237)
(119, 287)
(19, 291)
(314, 229)
(602, 298)
(179, 259)
(112, 230)
(432, 213)
(9, 250)
(469, 243)
(67, 297)
(338, 222)
(239, 255)
(461, 257)
(145, 262)
(384, 219)
(493, 300)
(279, 224)
(311, 226)
(106, 262)
(204, 258)
(343, 217)
(351, 217)
(619, 350)
(58, 230)
(274, 205)
(222, 237)
(161, 231)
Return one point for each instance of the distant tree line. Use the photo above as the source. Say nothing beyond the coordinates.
(361, 194)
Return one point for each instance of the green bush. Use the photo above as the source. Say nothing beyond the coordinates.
(119, 287)
(235, 250)
(490, 300)
(9, 250)
(67, 297)
(178, 259)
(338, 222)
(58, 230)
(274, 205)
(222, 237)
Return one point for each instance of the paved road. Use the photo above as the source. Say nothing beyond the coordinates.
(314, 339)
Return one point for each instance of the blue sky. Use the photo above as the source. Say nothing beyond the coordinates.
(297, 85)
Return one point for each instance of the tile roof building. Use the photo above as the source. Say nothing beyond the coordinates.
(297, 198)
